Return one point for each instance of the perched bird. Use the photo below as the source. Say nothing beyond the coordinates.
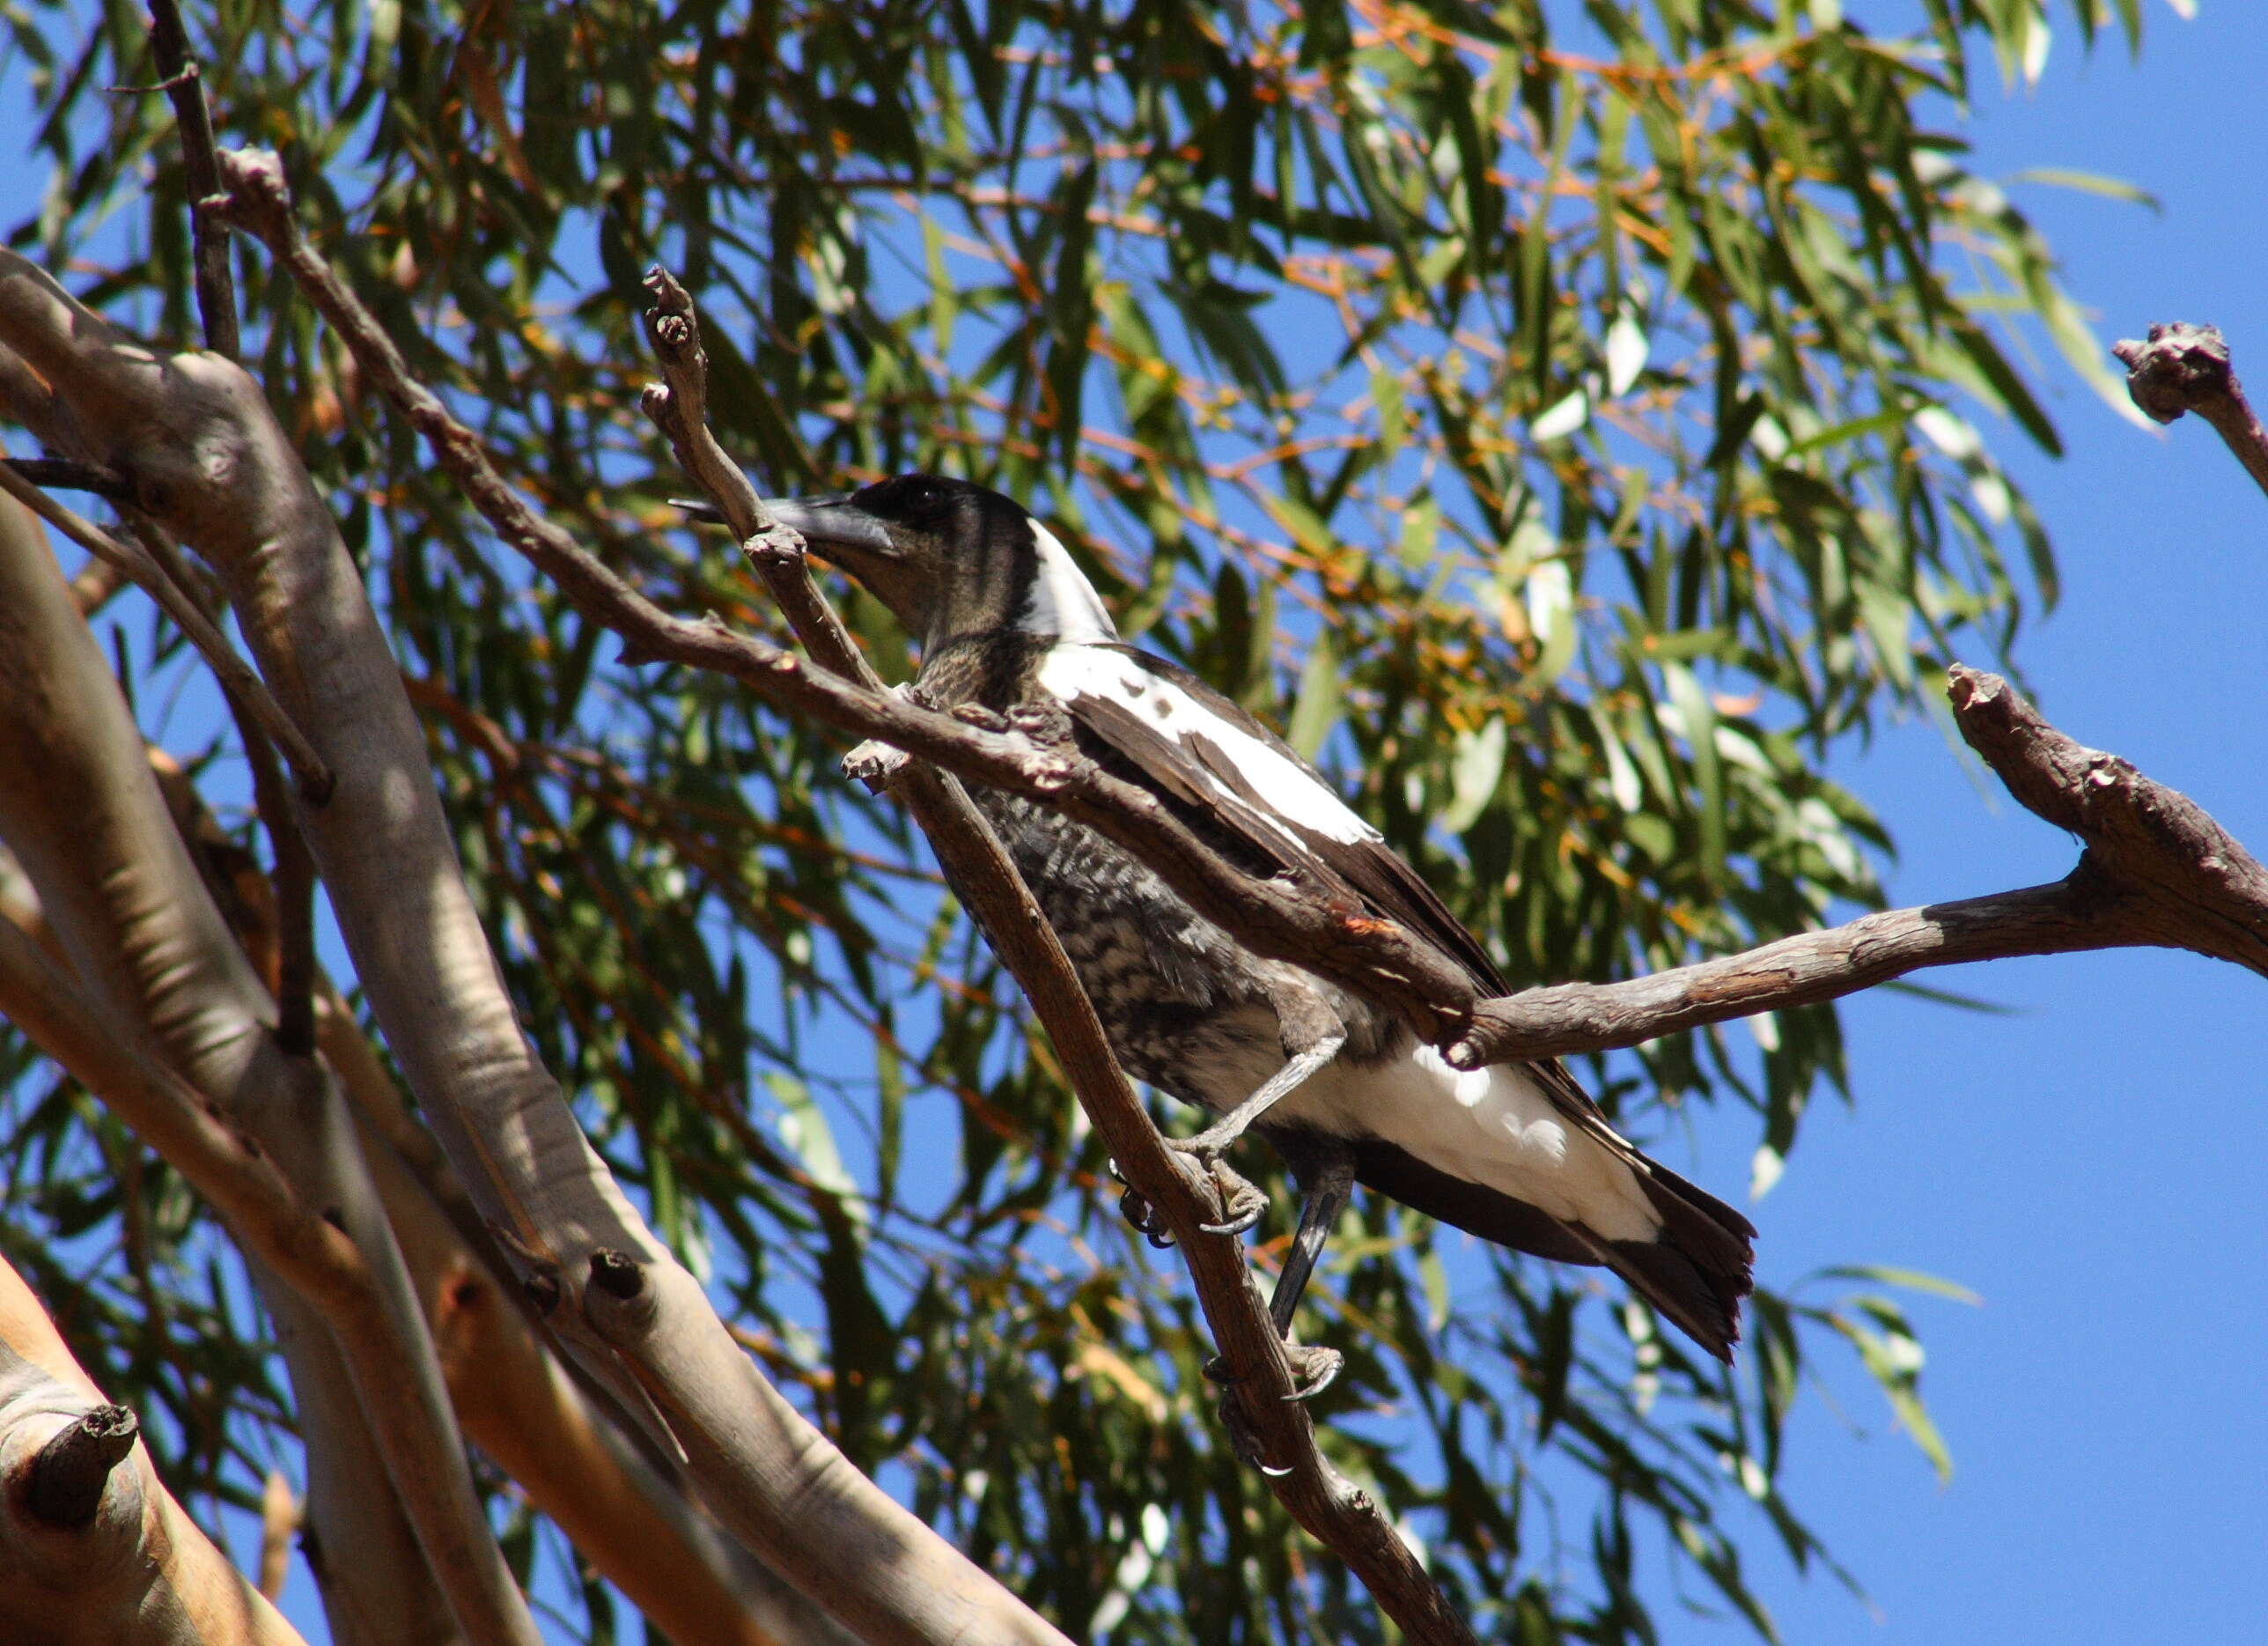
(1517, 1154)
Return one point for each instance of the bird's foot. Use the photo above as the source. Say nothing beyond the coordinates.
(878, 764)
(1242, 1440)
(1242, 1206)
(1314, 1369)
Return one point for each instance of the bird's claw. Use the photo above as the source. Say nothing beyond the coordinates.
(1243, 1442)
(1135, 1207)
(1245, 1206)
(1313, 1369)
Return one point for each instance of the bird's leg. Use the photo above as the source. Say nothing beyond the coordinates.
(1327, 1186)
(1325, 1169)
(1312, 1035)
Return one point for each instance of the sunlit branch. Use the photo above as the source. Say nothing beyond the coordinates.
(2186, 368)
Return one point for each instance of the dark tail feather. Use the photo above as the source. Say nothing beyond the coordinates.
(1695, 1272)
(1698, 1269)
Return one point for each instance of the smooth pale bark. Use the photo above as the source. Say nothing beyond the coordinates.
(520, 1404)
(139, 1572)
(84, 819)
(193, 437)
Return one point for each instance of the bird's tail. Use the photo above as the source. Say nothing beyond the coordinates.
(1696, 1269)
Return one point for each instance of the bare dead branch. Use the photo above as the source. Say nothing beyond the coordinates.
(1275, 917)
(235, 675)
(185, 87)
(1278, 917)
(2181, 368)
(2156, 871)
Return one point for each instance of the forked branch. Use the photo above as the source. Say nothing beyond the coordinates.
(2155, 872)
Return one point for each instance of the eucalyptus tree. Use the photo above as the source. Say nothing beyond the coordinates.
(1569, 423)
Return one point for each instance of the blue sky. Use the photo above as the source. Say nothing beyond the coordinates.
(2089, 1164)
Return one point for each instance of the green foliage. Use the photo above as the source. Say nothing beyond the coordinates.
(1559, 416)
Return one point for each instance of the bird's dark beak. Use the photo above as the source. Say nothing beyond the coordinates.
(838, 529)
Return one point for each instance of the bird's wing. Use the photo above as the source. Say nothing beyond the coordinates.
(1234, 781)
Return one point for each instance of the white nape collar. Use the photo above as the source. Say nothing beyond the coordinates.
(1062, 601)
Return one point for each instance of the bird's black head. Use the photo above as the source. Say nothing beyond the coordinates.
(950, 557)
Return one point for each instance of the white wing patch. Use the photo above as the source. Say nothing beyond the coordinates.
(1062, 601)
(1093, 671)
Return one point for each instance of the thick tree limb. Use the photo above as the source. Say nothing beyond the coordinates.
(1344, 1518)
(93, 1550)
(235, 675)
(2186, 368)
(577, 1457)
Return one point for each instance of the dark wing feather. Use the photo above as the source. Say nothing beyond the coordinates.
(1204, 775)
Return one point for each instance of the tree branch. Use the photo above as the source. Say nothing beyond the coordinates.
(1279, 917)
(2186, 368)
(235, 675)
(194, 436)
(1344, 1518)
(185, 86)
(578, 1456)
(2156, 871)
(83, 817)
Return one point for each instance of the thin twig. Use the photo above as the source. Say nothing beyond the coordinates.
(62, 474)
(184, 86)
(236, 675)
(2181, 368)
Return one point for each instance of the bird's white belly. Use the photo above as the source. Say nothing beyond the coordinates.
(1493, 1126)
